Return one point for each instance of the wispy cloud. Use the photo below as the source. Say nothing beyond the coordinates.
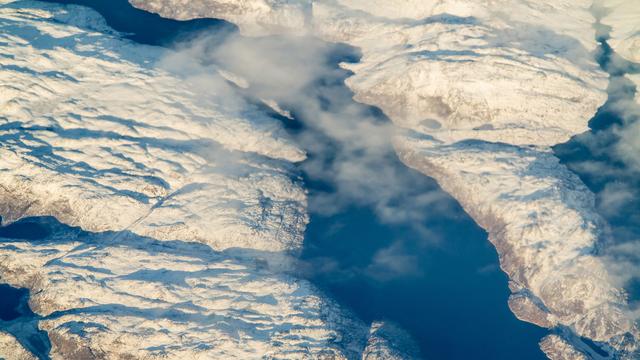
(393, 262)
(349, 144)
(350, 160)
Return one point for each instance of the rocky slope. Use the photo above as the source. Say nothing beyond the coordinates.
(149, 218)
(480, 90)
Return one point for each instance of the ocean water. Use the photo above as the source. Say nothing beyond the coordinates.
(446, 289)
(453, 302)
(10, 301)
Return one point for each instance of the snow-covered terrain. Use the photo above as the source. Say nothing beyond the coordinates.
(256, 17)
(480, 91)
(190, 207)
(557, 348)
(87, 117)
(116, 295)
(456, 70)
(623, 16)
(150, 218)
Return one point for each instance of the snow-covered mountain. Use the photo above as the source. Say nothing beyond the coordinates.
(480, 90)
(164, 151)
(159, 218)
(178, 206)
(623, 19)
(622, 16)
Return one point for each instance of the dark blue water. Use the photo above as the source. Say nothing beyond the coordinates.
(10, 302)
(25, 230)
(452, 299)
(445, 287)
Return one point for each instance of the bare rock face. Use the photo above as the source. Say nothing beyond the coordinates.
(526, 308)
(557, 348)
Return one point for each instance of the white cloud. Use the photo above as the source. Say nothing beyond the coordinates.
(349, 145)
(393, 262)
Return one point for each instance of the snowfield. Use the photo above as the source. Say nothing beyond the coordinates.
(622, 16)
(88, 117)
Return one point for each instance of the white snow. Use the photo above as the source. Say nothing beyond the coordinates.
(458, 76)
(129, 296)
(623, 16)
(253, 16)
(101, 133)
(88, 117)
(557, 348)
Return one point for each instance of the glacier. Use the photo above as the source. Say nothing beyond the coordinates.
(479, 92)
(166, 218)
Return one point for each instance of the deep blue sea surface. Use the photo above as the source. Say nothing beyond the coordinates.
(451, 295)
(10, 299)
